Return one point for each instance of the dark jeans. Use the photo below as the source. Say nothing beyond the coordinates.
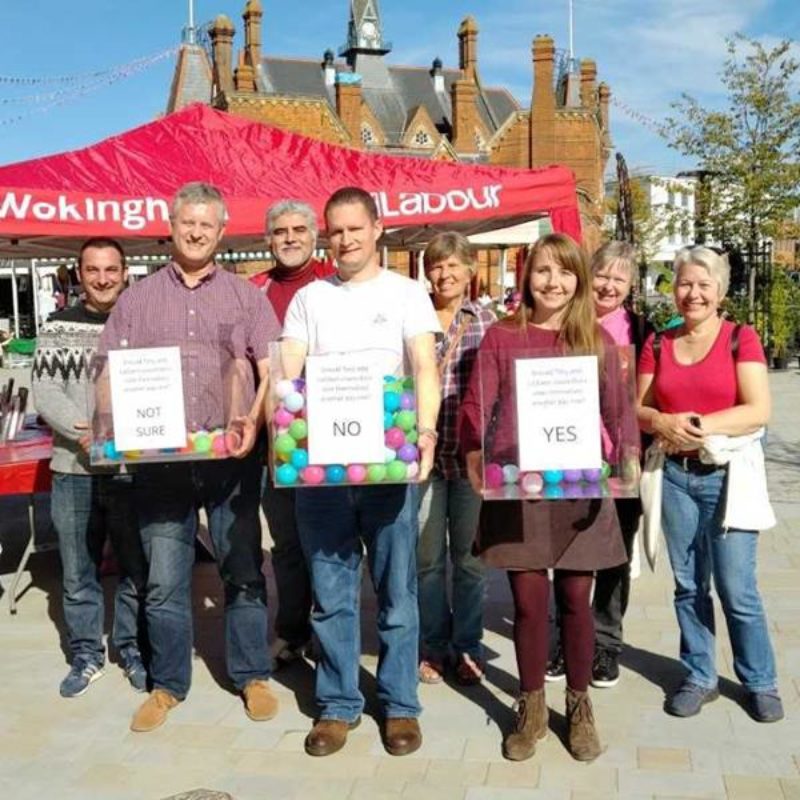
(169, 496)
(293, 617)
(86, 509)
(613, 586)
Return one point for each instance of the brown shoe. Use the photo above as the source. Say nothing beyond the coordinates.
(401, 736)
(328, 736)
(531, 725)
(584, 743)
(153, 712)
(259, 702)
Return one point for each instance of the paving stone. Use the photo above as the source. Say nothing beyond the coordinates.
(748, 787)
(664, 758)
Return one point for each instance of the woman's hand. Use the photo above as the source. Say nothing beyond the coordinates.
(474, 462)
(677, 433)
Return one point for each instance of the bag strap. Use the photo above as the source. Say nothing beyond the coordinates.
(454, 342)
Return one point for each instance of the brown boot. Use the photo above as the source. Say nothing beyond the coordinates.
(259, 702)
(531, 725)
(328, 736)
(584, 744)
(153, 712)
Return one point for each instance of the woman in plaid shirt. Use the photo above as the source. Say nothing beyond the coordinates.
(449, 507)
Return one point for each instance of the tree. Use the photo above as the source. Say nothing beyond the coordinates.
(749, 150)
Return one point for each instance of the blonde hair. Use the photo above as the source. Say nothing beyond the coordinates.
(447, 244)
(714, 263)
(615, 252)
(579, 329)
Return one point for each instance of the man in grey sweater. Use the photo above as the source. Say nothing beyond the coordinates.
(89, 503)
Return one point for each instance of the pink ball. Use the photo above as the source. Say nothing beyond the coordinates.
(312, 475)
(394, 438)
(532, 483)
(219, 446)
(283, 417)
(356, 473)
(493, 476)
(232, 440)
(412, 470)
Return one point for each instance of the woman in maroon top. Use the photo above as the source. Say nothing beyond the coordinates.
(573, 537)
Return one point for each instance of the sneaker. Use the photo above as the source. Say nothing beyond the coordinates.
(81, 674)
(469, 671)
(605, 669)
(282, 652)
(153, 712)
(765, 706)
(689, 699)
(135, 671)
(556, 670)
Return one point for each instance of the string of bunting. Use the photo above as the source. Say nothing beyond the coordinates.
(45, 102)
(659, 128)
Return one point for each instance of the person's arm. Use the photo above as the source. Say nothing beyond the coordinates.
(753, 409)
(245, 428)
(673, 432)
(422, 352)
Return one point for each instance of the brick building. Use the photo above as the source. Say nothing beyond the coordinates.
(360, 99)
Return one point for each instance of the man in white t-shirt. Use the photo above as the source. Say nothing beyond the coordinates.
(365, 306)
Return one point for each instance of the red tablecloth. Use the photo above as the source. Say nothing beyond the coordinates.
(25, 465)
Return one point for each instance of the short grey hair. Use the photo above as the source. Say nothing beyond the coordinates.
(199, 193)
(288, 206)
(716, 265)
(615, 251)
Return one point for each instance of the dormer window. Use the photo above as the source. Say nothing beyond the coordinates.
(367, 134)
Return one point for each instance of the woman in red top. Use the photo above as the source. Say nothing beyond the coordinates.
(696, 383)
(573, 537)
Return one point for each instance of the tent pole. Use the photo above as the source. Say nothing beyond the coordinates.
(421, 266)
(503, 271)
(15, 297)
(35, 292)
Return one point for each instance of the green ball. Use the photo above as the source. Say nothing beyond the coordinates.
(376, 473)
(284, 444)
(412, 436)
(405, 420)
(298, 429)
(408, 383)
(605, 471)
(396, 471)
(202, 443)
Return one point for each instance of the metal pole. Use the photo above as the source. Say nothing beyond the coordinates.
(15, 298)
(35, 292)
(191, 22)
(571, 43)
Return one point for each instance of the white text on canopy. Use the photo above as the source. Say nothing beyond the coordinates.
(344, 397)
(558, 413)
(147, 398)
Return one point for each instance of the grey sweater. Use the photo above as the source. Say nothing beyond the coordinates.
(62, 386)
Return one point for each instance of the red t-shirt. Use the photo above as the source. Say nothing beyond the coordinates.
(707, 386)
(281, 284)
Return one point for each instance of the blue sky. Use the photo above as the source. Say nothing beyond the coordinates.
(649, 51)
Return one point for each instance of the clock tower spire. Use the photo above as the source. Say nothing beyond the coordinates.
(364, 31)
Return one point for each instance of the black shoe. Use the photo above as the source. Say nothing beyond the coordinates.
(605, 669)
(556, 671)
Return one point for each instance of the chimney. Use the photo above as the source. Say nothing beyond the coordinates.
(541, 139)
(252, 32)
(468, 48)
(604, 93)
(437, 76)
(244, 79)
(348, 104)
(328, 69)
(222, 47)
(588, 83)
(463, 95)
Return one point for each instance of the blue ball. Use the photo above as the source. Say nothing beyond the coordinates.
(299, 458)
(110, 451)
(553, 476)
(335, 473)
(391, 401)
(553, 492)
(388, 420)
(286, 475)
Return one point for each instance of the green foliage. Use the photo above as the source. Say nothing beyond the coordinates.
(784, 312)
(751, 148)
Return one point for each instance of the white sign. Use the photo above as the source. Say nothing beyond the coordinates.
(147, 398)
(558, 413)
(344, 400)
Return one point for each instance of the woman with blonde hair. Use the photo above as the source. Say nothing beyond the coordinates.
(527, 537)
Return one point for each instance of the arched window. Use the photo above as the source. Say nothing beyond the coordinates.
(367, 134)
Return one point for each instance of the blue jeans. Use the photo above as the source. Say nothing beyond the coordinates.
(335, 524)
(448, 513)
(169, 496)
(292, 581)
(85, 509)
(692, 507)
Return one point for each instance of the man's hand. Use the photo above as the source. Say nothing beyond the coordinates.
(240, 436)
(85, 440)
(427, 449)
(474, 461)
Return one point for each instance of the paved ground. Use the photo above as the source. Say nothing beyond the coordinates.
(82, 748)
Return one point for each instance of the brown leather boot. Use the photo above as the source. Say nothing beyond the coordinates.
(531, 725)
(401, 735)
(584, 744)
(328, 736)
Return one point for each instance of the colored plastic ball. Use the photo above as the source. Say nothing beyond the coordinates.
(356, 473)
(408, 453)
(532, 483)
(232, 440)
(299, 384)
(591, 475)
(376, 473)
(553, 476)
(394, 438)
(553, 492)
(298, 430)
(573, 490)
(408, 383)
(396, 471)
(284, 388)
(405, 420)
(298, 458)
(312, 475)
(493, 476)
(218, 446)
(388, 420)
(283, 418)
(334, 473)
(510, 473)
(284, 444)
(286, 475)
(294, 402)
(407, 401)
(391, 401)
(110, 451)
(412, 436)
(412, 470)
(389, 455)
(388, 379)
(201, 442)
(573, 475)
(605, 471)
(132, 455)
